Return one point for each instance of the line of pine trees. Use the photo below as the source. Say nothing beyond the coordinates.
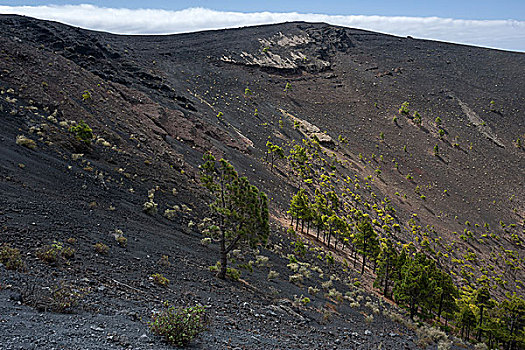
(414, 279)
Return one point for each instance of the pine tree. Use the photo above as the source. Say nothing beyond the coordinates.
(482, 301)
(511, 314)
(298, 159)
(300, 208)
(465, 319)
(343, 231)
(319, 210)
(274, 151)
(416, 284)
(446, 293)
(387, 259)
(239, 207)
(365, 238)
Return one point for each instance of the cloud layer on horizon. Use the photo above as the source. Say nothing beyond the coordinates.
(501, 34)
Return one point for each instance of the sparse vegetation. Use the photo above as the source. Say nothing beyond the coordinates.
(339, 217)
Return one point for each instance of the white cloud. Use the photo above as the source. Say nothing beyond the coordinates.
(502, 34)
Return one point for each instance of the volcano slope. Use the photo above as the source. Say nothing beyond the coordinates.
(451, 184)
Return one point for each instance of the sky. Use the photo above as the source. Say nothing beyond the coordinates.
(495, 24)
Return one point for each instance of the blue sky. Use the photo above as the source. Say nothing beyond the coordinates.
(459, 9)
(494, 24)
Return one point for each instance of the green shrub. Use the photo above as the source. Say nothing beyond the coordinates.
(428, 335)
(299, 247)
(55, 253)
(160, 279)
(164, 261)
(101, 248)
(417, 118)
(122, 241)
(21, 140)
(65, 297)
(86, 95)
(120, 238)
(179, 326)
(327, 285)
(10, 258)
(273, 275)
(404, 109)
(82, 131)
(261, 260)
(334, 294)
(150, 207)
(216, 267)
(169, 214)
(296, 279)
(303, 270)
(61, 297)
(313, 290)
(232, 273)
(293, 266)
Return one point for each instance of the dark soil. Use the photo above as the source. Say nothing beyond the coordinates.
(155, 101)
